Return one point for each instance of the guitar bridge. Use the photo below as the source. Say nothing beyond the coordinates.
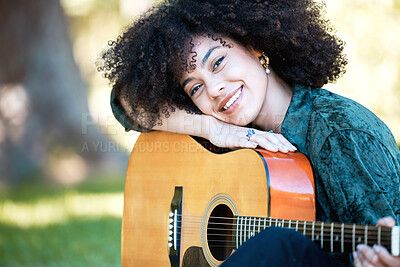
(174, 227)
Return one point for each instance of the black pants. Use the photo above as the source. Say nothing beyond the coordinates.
(280, 247)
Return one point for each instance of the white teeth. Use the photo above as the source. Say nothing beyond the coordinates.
(233, 98)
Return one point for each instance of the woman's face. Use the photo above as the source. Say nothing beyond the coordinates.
(228, 83)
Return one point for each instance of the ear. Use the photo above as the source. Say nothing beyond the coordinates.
(253, 52)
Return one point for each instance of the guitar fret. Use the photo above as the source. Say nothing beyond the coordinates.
(312, 231)
(259, 225)
(354, 237)
(322, 235)
(245, 229)
(241, 230)
(342, 239)
(249, 231)
(251, 228)
(366, 235)
(304, 228)
(332, 236)
(276, 222)
(297, 225)
(265, 222)
(270, 221)
(254, 226)
(237, 232)
(290, 224)
(379, 235)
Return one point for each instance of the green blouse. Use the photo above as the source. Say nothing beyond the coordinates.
(355, 159)
(354, 156)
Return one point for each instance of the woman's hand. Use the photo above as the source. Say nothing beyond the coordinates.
(227, 135)
(377, 255)
(222, 134)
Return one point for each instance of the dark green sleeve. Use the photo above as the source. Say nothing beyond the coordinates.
(357, 178)
(123, 118)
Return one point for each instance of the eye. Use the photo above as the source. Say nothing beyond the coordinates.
(217, 63)
(195, 89)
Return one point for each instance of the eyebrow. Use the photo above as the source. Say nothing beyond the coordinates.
(203, 62)
(207, 55)
(188, 80)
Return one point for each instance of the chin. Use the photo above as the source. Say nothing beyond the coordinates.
(238, 122)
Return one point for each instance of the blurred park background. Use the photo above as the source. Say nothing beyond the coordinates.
(62, 154)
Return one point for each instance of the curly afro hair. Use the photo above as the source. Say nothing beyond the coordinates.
(144, 63)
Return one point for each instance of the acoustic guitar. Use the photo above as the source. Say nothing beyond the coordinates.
(187, 206)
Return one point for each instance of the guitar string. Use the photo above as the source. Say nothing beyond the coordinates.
(347, 245)
(274, 220)
(348, 237)
(371, 229)
(359, 234)
(300, 229)
(279, 221)
(346, 241)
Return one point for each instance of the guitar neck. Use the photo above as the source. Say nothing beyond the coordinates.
(332, 237)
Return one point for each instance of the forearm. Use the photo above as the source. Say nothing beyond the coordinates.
(220, 133)
(192, 124)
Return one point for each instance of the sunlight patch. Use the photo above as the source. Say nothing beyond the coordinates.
(59, 210)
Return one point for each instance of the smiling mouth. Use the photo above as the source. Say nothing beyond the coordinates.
(233, 99)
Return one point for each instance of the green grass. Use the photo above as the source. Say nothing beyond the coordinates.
(72, 237)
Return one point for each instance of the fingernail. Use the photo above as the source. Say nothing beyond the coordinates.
(355, 255)
(376, 248)
(293, 147)
(360, 247)
(387, 220)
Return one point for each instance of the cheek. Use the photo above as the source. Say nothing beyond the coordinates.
(204, 106)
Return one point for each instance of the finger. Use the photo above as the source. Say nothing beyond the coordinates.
(272, 139)
(356, 259)
(275, 140)
(286, 143)
(237, 142)
(386, 257)
(362, 261)
(367, 253)
(246, 144)
(386, 221)
(262, 142)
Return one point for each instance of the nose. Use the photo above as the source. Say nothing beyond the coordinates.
(215, 89)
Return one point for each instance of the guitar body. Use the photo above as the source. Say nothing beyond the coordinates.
(246, 181)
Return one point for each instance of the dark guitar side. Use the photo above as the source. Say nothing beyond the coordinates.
(249, 182)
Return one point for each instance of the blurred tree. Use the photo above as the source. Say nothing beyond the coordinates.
(44, 118)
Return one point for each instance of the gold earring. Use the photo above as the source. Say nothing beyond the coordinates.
(264, 60)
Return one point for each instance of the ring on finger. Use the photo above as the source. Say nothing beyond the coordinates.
(250, 133)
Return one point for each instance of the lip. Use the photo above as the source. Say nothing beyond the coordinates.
(227, 98)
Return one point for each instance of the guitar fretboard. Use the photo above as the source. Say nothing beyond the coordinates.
(332, 237)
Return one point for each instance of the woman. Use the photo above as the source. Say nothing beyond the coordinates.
(213, 68)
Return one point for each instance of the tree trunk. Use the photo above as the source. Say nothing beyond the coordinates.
(43, 101)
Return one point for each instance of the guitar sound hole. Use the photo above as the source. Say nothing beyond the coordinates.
(220, 232)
